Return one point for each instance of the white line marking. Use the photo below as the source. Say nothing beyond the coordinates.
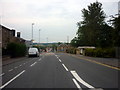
(80, 80)
(2, 74)
(20, 65)
(10, 70)
(65, 67)
(60, 60)
(12, 79)
(16, 67)
(76, 83)
(33, 64)
(39, 59)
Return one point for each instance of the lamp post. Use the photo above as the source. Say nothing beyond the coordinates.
(32, 31)
(39, 41)
(39, 36)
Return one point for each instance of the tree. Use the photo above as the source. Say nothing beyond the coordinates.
(74, 42)
(93, 31)
(116, 24)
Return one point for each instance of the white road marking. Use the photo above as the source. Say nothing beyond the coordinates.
(39, 59)
(80, 80)
(20, 65)
(76, 83)
(65, 67)
(60, 60)
(33, 64)
(16, 67)
(12, 79)
(10, 70)
(2, 74)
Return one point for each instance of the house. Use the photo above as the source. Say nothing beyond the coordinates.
(62, 47)
(8, 35)
(82, 49)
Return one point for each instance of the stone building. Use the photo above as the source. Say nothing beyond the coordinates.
(8, 36)
(62, 47)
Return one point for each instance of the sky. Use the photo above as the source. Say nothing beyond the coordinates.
(56, 19)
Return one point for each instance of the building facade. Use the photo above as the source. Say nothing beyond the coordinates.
(8, 36)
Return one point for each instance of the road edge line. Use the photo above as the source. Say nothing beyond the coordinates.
(90, 60)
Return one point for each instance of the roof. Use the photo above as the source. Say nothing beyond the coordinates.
(81, 47)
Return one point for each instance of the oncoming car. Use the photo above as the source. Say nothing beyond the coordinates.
(33, 52)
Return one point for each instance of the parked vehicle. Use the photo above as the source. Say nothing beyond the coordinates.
(33, 52)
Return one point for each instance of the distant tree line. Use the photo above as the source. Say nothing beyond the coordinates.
(94, 31)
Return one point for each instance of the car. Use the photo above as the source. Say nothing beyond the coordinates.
(33, 52)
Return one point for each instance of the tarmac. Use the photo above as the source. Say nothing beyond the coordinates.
(108, 61)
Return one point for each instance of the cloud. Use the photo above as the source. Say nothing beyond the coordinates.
(53, 16)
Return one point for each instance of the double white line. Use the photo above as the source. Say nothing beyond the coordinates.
(77, 77)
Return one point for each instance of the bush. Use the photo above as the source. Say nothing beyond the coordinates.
(16, 50)
(71, 50)
(100, 52)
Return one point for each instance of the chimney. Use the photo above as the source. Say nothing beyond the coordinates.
(18, 34)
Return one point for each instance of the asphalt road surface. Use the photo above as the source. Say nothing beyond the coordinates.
(58, 70)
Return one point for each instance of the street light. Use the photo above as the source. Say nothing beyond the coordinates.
(39, 36)
(32, 31)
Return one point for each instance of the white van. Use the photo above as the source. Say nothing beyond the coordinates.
(33, 52)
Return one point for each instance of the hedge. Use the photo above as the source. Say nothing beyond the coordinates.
(16, 50)
(101, 52)
(71, 50)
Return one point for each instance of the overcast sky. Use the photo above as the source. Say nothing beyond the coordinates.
(56, 18)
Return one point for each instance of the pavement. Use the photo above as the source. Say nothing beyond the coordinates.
(8, 60)
(115, 62)
(58, 71)
(108, 61)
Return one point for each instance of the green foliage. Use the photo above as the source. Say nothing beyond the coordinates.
(71, 50)
(116, 35)
(93, 31)
(74, 42)
(16, 50)
(101, 52)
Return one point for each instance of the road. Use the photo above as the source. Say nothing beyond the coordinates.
(58, 70)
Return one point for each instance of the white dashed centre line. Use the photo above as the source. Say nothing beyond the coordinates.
(20, 65)
(80, 80)
(65, 67)
(33, 64)
(60, 60)
(10, 70)
(12, 80)
(39, 59)
(16, 67)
